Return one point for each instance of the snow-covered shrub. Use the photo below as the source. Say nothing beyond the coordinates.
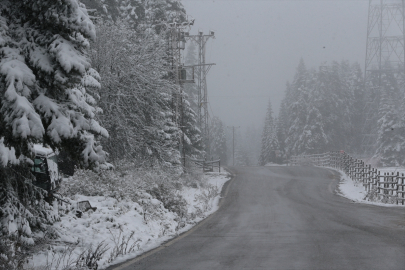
(206, 197)
(166, 193)
(129, 182)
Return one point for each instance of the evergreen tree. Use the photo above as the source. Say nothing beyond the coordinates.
(47, 79)
(218, 140)
(269, 139)
(47, 96)
(282, 127)
(323, 110)
(313, 138)
(297, 108)
(391, 137)
(192, 135)
(356, 85)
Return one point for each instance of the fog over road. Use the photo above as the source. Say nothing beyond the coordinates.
(288, 218)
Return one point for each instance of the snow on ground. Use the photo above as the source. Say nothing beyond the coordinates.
(270, 164)
(356, 192)
(114, 221)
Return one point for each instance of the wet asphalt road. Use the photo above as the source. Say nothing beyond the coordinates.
(288, 218)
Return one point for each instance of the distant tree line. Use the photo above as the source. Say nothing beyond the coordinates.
(331, 108)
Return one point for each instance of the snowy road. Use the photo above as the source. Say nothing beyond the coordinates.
(287, 218)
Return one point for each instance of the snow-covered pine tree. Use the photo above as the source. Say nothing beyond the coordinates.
(48, 80)
(47, 87)
(391, 136)
(218, 140)
(282, 127)
(192, 135)
(356, 87)
(313, 140)
(297, 105)
(269, 139)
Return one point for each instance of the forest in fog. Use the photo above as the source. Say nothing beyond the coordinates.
(330, 108)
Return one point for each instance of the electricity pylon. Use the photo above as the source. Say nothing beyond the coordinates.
(202, 69)
(176, 43)
(385, 53)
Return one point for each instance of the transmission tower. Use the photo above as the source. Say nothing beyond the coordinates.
(385, 53)
(202, 69)
(176, 43)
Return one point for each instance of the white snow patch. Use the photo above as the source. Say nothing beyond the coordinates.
(270, 164)
(118, 218)
(355, 191)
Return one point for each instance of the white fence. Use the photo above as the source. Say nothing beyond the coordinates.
(388, 187)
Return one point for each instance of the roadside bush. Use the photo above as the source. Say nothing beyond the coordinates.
(128, 182)
(172, 201)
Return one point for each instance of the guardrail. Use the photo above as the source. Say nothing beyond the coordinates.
(388, 187)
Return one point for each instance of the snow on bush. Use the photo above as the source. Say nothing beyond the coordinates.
(137, 209)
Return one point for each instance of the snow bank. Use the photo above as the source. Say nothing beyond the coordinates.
(356, 192)
(270, 164)
(142, 225)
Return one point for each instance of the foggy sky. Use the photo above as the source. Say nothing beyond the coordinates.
(259, 43)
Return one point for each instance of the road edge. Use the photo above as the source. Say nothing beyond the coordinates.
(223, 194)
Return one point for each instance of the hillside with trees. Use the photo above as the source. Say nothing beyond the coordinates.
(93, 81)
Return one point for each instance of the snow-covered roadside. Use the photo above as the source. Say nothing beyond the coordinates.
(133, 227)
(270, 164)
(355, 191)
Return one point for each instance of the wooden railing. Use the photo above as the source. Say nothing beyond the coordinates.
(387, 187)
(206, 165)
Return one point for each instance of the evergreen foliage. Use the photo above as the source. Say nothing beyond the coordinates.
(391, 135)
(47, 93)
(46, 79)
(270, 145)
(325, 110)
(218, 140)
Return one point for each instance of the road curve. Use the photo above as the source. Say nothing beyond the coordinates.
(288, 218)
